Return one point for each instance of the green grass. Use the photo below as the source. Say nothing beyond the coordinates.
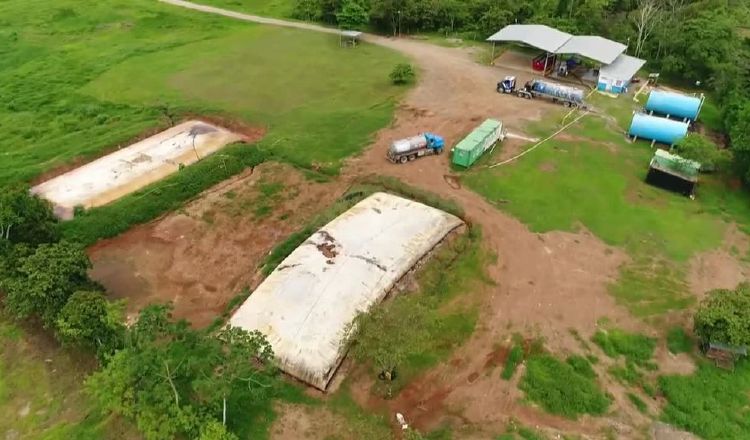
(81, 78)
(678, 341)
(633, 347)
(712, 403)
(650, 285)
(267, 8)
(627, 374)
(600, 187)
(437, 324)
(319, 102)
(638, 403)
(515, 357)
(37, 373)
(561, 389)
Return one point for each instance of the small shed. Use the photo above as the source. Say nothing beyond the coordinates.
(349, 38)
(724, 355)
(616, 77)
(673, 172)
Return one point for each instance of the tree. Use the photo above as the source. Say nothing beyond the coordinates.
(739, 134)
(242, 359)
(723, 316)
(46, 279)
(88, 319)
(645, 19)
(352, 15)
(26, 218)
(172, 380)
(701, 149)
(213, 430)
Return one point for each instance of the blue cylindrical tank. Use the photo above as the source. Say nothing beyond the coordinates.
(674, 104)
(657, 129)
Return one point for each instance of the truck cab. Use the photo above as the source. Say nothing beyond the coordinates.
(435, 142)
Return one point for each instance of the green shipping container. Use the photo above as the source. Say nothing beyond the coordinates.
(466, 152)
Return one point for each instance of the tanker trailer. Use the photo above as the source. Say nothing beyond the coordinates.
(569, 96)
(407, 149)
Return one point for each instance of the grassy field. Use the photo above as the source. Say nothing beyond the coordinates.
(40, 391)
(78, 79)
(268, 8)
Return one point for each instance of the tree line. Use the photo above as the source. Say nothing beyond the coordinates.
(700, 43)
(170, 379)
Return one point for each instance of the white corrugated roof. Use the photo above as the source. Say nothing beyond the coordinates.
(624, 67)
(537, 35)
(307, 304)
(590, 46)
(554, 41)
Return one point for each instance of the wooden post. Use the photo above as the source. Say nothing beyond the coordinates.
(492, 58)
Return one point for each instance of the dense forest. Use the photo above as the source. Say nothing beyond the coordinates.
(693, 43)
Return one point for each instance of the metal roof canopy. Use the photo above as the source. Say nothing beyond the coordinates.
(596, 48)
(537, 35)
(624, 67)
(554, 41)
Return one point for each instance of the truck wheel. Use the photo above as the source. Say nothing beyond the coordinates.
(412, 157)
(403, 159)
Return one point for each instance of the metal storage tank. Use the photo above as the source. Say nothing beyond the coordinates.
(674, 104)
(657, 129)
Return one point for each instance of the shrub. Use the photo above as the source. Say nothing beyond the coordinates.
(635, 347)
(701, 149)
(511, 362)
(402, 74)
(560, 389)
(678, 341)
(637, 402)
(723, 316)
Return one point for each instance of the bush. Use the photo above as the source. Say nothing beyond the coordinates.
(723, 316)
(562, 390)
(701, 149)
(402, 74)
(678, 341)
(511, 362)
(635, 347)
(637, 402)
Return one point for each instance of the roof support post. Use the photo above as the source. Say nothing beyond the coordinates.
(492, 58)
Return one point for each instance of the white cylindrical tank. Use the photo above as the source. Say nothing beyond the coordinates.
(408, 144)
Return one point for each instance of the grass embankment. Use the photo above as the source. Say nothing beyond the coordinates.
(266, 8)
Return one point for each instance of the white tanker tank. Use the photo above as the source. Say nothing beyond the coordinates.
(403, 150)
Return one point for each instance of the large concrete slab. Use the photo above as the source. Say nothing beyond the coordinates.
(124, 171)
(307, 304)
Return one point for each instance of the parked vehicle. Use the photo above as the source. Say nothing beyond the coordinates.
(404, 150)
(569, 96)
(481, 139)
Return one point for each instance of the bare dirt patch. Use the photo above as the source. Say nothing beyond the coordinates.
(205, 254)
(720, 268)
(301, 422)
